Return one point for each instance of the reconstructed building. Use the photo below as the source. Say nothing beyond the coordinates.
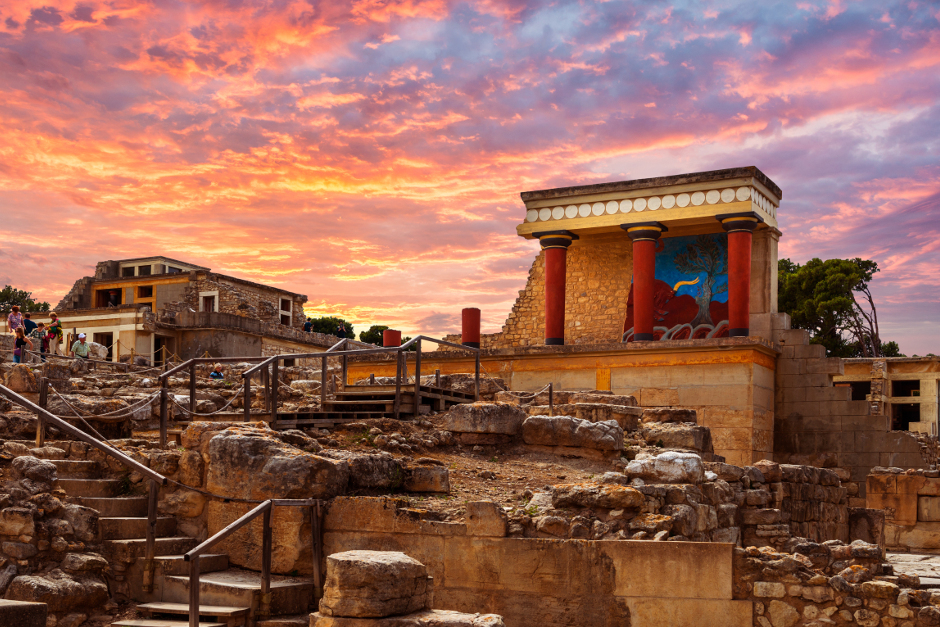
(157, 306)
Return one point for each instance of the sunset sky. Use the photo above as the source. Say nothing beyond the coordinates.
(370, 154)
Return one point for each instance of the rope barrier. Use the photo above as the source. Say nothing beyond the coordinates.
(112, 416)
(211, 413)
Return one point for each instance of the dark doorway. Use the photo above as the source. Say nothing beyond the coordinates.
(902, 415)
(106, 340)
(860, 389)
(905, 388)
(162, 348)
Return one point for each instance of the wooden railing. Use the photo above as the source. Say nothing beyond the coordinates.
(264, 510)
(156, 480)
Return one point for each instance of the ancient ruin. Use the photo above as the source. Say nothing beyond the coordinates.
(646, 442)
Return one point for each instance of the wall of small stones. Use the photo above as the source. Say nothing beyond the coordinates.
(259, 303)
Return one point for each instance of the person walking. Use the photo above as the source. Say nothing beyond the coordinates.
(19, 345)
(80, 347)
(28, 325)
(14, 319)
(39, 334)
(54, 333)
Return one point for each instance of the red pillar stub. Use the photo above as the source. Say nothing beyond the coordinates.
(391, 337)
(740, 228)
(644, 236)
(555, 244)
(470, 327)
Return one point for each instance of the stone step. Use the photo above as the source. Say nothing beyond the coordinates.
(91, 487)
(293, 620)
(289, 595)
(157, 622)
(129, 550)
(208, 563)
(116, 507)
(127, 528)
(76, 469)
(220, 611)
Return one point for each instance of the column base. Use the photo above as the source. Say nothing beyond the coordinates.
(471, 344)
(739, 332)
(642, 337)
(554, 341)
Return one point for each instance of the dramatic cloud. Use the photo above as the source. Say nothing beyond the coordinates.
(370, 153)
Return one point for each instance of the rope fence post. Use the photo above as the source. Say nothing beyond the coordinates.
(274, 386)
(192, 389)
(417, 378)
(247, 397)
(551, 400)
(322, 383)
(43, 403)
(164, 392)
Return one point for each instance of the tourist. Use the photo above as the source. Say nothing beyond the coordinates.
(54, 334)
(80, 347)
(15, 319)
(19, 345)
(217, 372)
(28, 325)
(308, 325)
(39, 334)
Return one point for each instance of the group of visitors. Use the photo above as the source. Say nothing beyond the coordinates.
(25, 330)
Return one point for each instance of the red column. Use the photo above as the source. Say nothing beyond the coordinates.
(391, 337)
(555, 244)
(470, 327)
(740, 229)
(644, 238)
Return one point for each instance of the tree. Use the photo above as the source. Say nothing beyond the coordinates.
(10, 296)
(373, 335)
(331, 325)
(705, 255)
(832, 300)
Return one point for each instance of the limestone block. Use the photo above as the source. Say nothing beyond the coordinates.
(16, 521)
(683, 436)
(485, 518)
(426, 618)
(668, 467)
(427, 479)
(496, 418)
(21, 379)
(596, 495)
(608, 399)
(573, 432)
(374, 584)
(59, 591)
(668, 414)
(22, 614)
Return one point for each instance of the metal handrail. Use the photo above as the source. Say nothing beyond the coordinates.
(264, 509)
(156, 479)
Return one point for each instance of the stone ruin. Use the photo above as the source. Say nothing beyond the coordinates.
(466, 499)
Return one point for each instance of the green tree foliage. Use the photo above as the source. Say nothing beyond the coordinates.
(832, 300)
(331, 325)
(10, 296)
(373, 335)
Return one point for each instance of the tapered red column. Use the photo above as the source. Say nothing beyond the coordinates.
(740, 228)
(470, 328)
(555, 244)
(644, 238)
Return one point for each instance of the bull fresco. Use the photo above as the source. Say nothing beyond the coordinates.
(690, 295)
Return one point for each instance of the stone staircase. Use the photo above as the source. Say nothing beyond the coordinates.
(229, 597)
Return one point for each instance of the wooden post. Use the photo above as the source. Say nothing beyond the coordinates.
(164, 397)
(275, 384)
(151, 536)
(194, 592)
(265, 382)
(317, 546)
(265, 609)
(417, 378)
(372, 379)
(476, 379)
(247, 398)
(397, 405)
(322, 383)
(43, 401)
(192, 390)
(437, 378)
(551, 399)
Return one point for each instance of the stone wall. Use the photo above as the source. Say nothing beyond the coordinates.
(580, 583)
(821, 425)
(911, 504)
(244, 299)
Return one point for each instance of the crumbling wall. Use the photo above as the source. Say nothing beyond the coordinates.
(243, 299)
(911, 504)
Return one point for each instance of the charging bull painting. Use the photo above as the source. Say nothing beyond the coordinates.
(690, 297)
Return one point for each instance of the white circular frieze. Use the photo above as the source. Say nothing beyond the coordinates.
(597, 208)
(584, 210)
(571, 211)
(545, 214)
(626, 206)
(727, 195)
(698, 198)
(669, 201)
(612, 206)
(743, 193)
(683, 200)
(639, 204)
(558, 213)
(654, 203)
(531, 215)
(712, 196)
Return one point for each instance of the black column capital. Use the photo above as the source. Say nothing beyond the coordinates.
(746, 221)
(555, 239)
(641, 231)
